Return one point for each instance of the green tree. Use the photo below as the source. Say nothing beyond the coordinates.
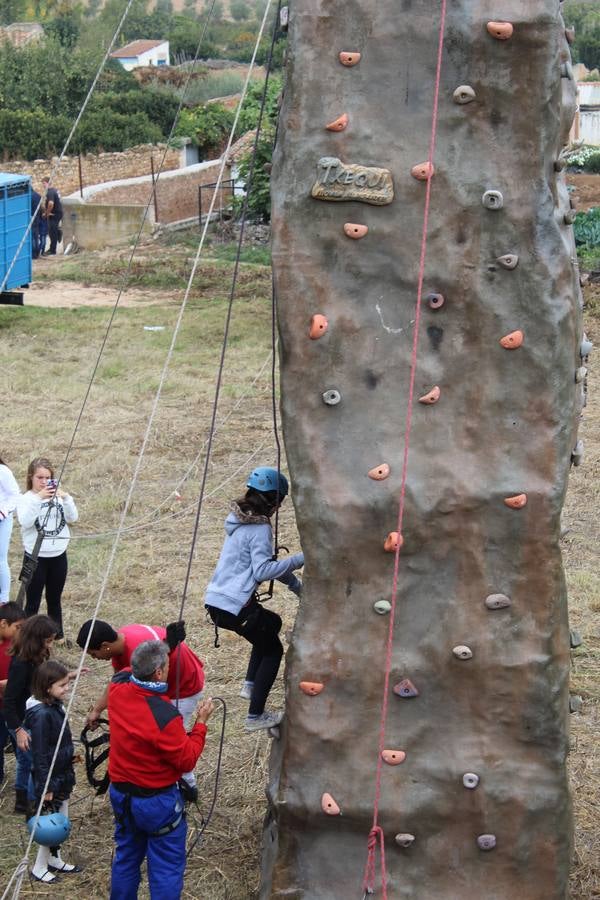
(250, 110)
(259, 196)
(585, 17)
(208, 126)
(106, 130)
(65, 28)
(239, 10)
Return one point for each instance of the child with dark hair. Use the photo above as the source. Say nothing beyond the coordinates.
(231, 599)
(11, 619)
(46, 509)
(44, 720)
(31, 647)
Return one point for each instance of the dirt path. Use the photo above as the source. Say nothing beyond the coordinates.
(70, 294)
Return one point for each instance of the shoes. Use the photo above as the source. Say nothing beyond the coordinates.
(246, 691)
(265, 720)
(65, 868)
(21, 805)
(46, 877)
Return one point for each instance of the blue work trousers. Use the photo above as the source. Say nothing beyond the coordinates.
(136, 821)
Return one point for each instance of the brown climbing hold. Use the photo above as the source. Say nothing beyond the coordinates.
(392, 542)
(432, 397)
(338, 124)
(502, 31)
(436, 301)
(329, 806)
(349, 59)
(423, 171)
(311, 688)
(405, 689)
(393, 757)
(513, 340)
(318, 326)
(570, 35)
(516, 502)
(354, 231)
(379, 473)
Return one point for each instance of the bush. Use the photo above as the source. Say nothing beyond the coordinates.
(103, 129)
(587, 229)
(259, 198)
(32, 134)
(159, 107)
(251, 108)
(208, 127)
(586, 158)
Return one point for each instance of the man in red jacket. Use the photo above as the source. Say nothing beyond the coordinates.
(186, 673)
(149, 751)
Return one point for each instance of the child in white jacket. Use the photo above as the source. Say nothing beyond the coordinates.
(9, 493)
(44, 509)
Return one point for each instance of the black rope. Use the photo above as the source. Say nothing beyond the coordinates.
(205, 821)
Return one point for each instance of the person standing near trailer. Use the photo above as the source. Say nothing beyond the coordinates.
(9, 494)
(36, 215)
(53, 214)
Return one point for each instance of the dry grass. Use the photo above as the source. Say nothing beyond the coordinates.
(48, 356)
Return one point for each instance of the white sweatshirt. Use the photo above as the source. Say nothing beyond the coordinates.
(32, 511)
(9, 492)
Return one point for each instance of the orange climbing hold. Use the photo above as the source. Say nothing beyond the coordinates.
(380, 473)
(318, 326)
(502, 31)
(393, 757)
(432, 397)
(423, 171)
(349, 59)
(329, 806)
(513, 340)
(312, 688)
(339, 124)
(392, 542)
(352, 230)
(516, 502)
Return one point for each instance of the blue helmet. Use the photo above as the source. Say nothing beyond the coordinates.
(265, 480)
(51, 830)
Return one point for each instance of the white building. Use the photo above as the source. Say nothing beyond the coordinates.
(143, 53)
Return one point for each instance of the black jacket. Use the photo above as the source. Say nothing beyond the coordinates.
(17, 690)
(44, 722)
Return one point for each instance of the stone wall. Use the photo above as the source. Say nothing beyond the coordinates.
(98, 167)
(473, 791)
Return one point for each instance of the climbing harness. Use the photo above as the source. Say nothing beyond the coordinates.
(96, 755)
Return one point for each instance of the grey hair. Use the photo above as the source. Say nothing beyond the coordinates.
(147, 658)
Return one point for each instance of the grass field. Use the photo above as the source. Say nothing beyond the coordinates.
(48, 355)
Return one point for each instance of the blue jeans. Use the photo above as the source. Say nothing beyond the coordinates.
(23, 779)
(6, 526)
(136, 820)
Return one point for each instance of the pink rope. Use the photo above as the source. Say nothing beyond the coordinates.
(376, 834)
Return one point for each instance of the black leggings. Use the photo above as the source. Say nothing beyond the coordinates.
(51, 573)
(260, 627)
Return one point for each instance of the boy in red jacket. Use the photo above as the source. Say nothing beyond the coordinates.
(149, 751)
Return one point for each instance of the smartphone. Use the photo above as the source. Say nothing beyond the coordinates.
(52, 484)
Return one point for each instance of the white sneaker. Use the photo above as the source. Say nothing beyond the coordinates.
(265, 720)
(246, 691)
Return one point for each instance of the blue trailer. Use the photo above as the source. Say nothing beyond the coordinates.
(15, 213)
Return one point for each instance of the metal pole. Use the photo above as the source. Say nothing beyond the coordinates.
(154, 189)
(80, 175)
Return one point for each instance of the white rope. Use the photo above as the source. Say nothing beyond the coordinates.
(68, 141)
(104, 585)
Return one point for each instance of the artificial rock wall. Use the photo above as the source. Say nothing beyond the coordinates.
(499, 364)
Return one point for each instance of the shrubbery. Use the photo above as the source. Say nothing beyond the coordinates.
(208, 126)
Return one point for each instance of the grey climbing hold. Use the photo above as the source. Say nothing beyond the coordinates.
(577, 454)
(497, 601)
(405, 840)
(575, 639)
(464, 94)
(509, 260)
(462, 652)
(580, 374)
(470, 780)
(493, 200)
(405, 689)
(382, 607)
(570, 216)
(570, 35)
(486, 841)
(436, 301)
(566, 70)
(575, 703)
(585, 347)
(332, 397)
(284, 17)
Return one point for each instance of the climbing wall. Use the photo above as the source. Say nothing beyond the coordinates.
(467, 779)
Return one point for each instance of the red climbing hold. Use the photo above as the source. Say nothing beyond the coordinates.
(513, 340)
(423, 171)
(405, 689)
(379, 473)
(329, 806)
(432, 397)
(318, 327)
(502, 31)
(392, 542)
(393, 757)
(339, 124)
(516, 502)
(352, 230)
(349, 59)
(312, 688)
